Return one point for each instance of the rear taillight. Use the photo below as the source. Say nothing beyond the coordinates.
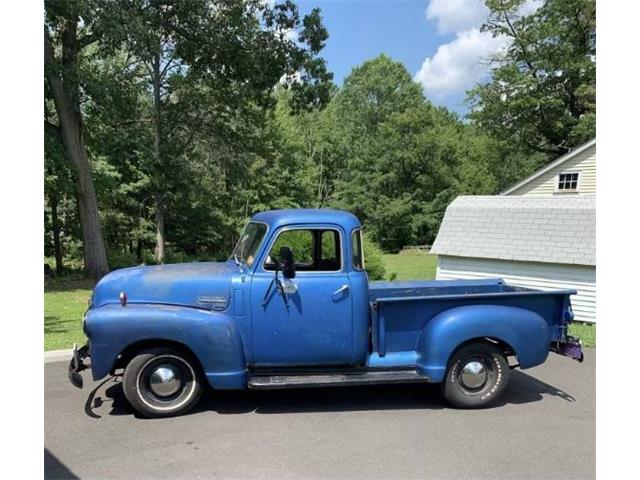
(568, 314)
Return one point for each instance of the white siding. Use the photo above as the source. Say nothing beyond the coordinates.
(584, 162)
(543, 276)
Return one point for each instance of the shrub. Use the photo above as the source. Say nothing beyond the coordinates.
(373, 259)
(175, 256)
(121, 259)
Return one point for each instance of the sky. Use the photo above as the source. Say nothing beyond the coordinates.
(439, 41)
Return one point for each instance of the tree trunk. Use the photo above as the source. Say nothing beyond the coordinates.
(139, 251)
(56, 234)
(65, 96)
(157, 152)
(160, 215)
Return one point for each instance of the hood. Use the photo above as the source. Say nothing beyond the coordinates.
(201, 285)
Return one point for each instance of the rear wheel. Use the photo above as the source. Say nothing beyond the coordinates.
(477, 375)
(162, 382)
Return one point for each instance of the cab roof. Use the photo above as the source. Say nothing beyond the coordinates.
(297, 216)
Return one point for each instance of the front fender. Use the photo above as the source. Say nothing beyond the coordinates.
(212, 336)
(524, 331)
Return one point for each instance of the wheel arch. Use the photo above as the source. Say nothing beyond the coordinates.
(518, 331)
(504, 346)
(131, 350)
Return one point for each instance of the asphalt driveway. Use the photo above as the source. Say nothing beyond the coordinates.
(544, 428)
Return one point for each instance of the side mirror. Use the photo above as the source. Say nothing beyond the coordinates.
(287, 263)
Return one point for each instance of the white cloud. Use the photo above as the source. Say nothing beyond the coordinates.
(291, 34)
(461, 63)
(456, 15)
(528, 7)
(458, 65)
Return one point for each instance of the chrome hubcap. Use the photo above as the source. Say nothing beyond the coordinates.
(473, 375)
(165, 381)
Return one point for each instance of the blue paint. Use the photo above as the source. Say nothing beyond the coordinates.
(238, 302)
(392, 360)
(337, 319)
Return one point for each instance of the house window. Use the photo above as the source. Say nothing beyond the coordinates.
(568, 182)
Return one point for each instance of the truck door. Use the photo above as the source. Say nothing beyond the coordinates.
(311, 324)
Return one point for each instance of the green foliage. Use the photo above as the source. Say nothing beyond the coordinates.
(541, 97)
(177, 102)
(405, 159)
(119, 259)
(373, 259)
(248, 120)
(299, 241)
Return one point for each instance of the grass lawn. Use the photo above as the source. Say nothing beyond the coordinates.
(586, 332)
(65, 301)
(411, 266)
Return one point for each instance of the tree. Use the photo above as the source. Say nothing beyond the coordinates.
(404, 160)
(227, 56)
(56, 188)
(118, 139)
(63, 33)
(541, 96)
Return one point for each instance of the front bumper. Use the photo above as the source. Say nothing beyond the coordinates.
(77, 365)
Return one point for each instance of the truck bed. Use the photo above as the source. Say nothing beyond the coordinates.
(401, 311)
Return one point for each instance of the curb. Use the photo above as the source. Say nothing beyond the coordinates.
(57, 356)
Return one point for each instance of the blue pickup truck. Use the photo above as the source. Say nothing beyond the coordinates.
(293, 307)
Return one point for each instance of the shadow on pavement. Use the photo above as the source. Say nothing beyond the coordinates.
(109, 391)
(522, 389)
(54, 468)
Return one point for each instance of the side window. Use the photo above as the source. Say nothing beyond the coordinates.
(356, 249)
(314, 250)
(301, 244)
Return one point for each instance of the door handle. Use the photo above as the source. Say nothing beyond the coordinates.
(339, 292)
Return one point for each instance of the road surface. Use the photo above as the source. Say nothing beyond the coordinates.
(543, 428)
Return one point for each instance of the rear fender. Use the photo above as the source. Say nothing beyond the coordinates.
(526, 333)
(212, 337)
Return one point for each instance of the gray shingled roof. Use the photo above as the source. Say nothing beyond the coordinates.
(555, 229)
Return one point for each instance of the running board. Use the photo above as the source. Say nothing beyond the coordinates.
(270, 382)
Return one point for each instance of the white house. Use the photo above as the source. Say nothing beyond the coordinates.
(539, 233)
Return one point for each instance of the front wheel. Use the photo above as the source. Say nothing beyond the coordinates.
(477, 375)
(162, 382)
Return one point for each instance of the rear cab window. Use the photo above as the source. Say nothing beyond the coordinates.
(357, 255)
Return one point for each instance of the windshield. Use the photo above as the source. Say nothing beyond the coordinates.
(248, 244)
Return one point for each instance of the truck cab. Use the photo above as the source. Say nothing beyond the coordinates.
(293, 307)
(319, 317)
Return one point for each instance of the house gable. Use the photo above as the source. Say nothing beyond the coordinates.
(582, 160)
